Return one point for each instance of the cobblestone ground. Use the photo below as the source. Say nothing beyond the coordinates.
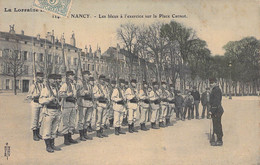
(186, 142)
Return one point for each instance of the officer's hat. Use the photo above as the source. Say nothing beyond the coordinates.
(39, 74)
(91, 79)
(102, 77)
(68, 73)
(113, 82)
(107, 80)
(212, 80)
(58, 76)
(155, 83)
(52, 76)
(121, 81)
(133, 81)
(86, 72)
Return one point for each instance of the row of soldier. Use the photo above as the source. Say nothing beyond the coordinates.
(63, 108)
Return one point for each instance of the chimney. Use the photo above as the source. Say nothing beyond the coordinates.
(86, 50)
(11, 29)
(22, 32)
(38, 37)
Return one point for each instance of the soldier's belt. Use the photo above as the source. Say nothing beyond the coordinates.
(87, 97)
(134, 100)
(172, 101)
(71, 99)
(121, 102)
(102, 100)
(157, 101)
(146, 101)
(52, 105)
(164, 100)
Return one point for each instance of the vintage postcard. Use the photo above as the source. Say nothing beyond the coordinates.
(117, 82)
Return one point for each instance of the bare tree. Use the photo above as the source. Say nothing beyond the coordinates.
(13, 63)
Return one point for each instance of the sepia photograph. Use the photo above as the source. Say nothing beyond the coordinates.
(109, 82)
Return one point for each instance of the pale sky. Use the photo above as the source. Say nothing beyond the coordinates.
(215, 21)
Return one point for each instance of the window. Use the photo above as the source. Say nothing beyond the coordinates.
(41, 57)
(75, 51)
(25, 42)
(75, 62)
(56, 47)
(92, 67)
(26, 69)
(84, 67)
(41, 45)
(8, 69)
(25, 55)
(7, 84)
(49, 58)
(17, 84)
(88, 66)
(69, 50)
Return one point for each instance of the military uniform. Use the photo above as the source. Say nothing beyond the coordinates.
(144, 103)
(155, 105)
(68, 118)
(216, 113)
(132, 104)
(188, 104)
(99, 93)
(179, 102)
(107, 93)
(49, 98)
(85, 108)
(118, 104)
(111, 110)
(36, 107)
(205, 103)
(171, 101)
(164, 94)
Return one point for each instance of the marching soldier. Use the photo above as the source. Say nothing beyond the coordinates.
(155, 104)
(144, 105)
(118, 102)
(111, 111)
(108, 96)
(49, 98)
(85, 105)
(164, 93)
(101, 103)
(34, 94)
(216, 112)
(171, 101)
(132, 101)
(68, 92)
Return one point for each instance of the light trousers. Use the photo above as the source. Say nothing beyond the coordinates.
(51, 121)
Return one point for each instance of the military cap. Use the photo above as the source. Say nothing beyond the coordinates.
(133, 81)
(212, 80)
(107, 80)
(39, 74)
(58, 76)
(102, 77)
(91, 79)
(68, 73)
(121, 81)
(113, 82)
(86, 72)
(52, 76)
(155, 83)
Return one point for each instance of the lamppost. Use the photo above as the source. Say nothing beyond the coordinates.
(230, 81)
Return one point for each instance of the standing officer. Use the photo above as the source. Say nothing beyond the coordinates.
(85, 106)
(155, 104)
(132, 101)
(144, 105)
(196, 96)
(205, 103)
(164, 93)
(36, 107)
(50, 100)
(118, 102)
(216, 112)
(99, 93)
(171, 101)
(68, 117)
(111, 111)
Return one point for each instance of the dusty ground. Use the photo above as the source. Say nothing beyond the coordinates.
(183, 143)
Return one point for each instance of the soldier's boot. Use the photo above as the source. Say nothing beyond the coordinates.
(85, 135)
(168, 122)
(219, 141)
(154, 126)
(71, 140)
(35, 137)
(99, 134)
(66, 139)
(90, 128)
(111, 121)
(143, 128)
(130, 128)
(120, 131)
(48, 146)
(81, 135)
(116, 131)
(105, 126)
(102, 133)
(161, 124)
(133, 128)
(38, 133)
(55, 148)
